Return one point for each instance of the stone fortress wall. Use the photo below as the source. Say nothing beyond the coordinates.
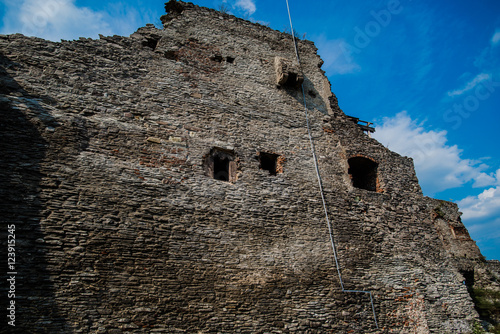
(164, 183)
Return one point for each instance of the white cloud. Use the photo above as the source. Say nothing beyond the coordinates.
(484, 205)
(470, 85)
(53, 19)
(337, 55)
(439, 166)
(496, 37)
(248, 6)
(62, 19)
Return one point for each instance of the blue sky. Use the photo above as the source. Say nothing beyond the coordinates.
(427, 73)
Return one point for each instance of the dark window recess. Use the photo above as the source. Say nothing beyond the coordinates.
(460, 232)
(230, 60)
(150, 43)
(312, 94)
(291, 82)
(363, 173)
(220, 164)
(216, 58)
(269, 162)
(468, 278)
(172, 55)
(469, 283)
(221, 168)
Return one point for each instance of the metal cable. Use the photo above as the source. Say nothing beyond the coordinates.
(320, 183)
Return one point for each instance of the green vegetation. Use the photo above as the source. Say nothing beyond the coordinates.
(477, 328)
(488, 306)
(288, 31)
(439, 212)
(223, 9)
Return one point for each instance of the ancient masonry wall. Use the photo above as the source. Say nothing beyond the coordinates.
(111, 154)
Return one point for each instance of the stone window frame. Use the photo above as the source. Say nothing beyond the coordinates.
(216, 156)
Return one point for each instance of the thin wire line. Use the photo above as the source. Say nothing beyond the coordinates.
(320, 183)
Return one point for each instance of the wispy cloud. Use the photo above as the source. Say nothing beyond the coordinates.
(424, 22)
(439, 166)
(496, 37)
(248, 6)
(53, 19)
(487, 63)
(63, 19)
(470, 85)
(337, 56)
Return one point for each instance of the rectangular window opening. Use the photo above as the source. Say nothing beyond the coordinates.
(221, 164)
(269, 162)
(216, 58)
(363, 173)
(150, 43)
